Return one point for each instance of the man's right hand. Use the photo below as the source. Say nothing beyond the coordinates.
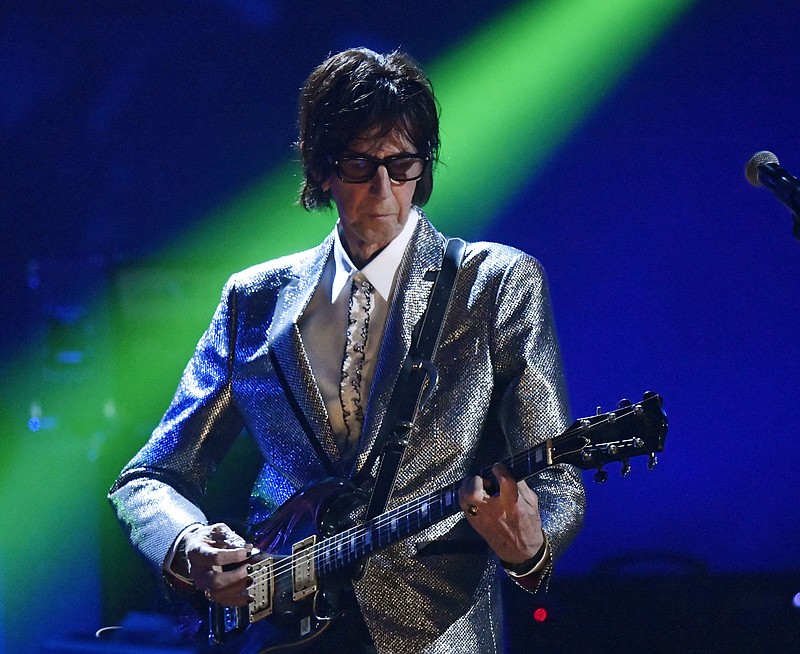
(211, 555)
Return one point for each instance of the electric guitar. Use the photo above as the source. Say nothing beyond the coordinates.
(310, 545)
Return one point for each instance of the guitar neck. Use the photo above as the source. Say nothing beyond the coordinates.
(631, 430)
(360, 541)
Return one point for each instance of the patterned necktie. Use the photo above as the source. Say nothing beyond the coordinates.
(350, 391)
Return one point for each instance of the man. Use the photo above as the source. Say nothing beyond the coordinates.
(304, 352)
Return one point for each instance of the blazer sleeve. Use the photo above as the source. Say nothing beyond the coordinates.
(533, 403)
(159, 492)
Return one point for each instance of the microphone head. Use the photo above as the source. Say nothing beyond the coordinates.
(758, 159)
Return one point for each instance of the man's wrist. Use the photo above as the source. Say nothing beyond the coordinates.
(536, 563)
(176, 564)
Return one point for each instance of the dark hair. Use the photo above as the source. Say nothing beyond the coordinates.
(357, 92)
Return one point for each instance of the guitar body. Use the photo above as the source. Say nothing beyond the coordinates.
(320, 510)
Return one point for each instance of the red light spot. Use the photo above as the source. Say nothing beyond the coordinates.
(540, 614)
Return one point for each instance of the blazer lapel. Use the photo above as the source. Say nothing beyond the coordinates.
(290, 355)
(412, 288)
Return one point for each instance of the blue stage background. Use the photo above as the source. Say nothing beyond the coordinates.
(125, 127)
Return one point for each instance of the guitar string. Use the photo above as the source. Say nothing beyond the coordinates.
(381, 522)
(328, 545)
(376, 525)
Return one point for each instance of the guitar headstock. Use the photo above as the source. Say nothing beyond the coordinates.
(633, 429)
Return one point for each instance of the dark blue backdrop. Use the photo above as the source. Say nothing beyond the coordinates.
(122, 125)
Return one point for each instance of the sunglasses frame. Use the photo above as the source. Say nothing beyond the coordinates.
(386, 162)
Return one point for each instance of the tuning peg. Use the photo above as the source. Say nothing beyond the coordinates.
(623, 403)
(600, 476)
(649, 395)
(653, 462)
(626, 468)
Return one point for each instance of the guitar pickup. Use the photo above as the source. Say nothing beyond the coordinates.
(262, 590)
(304, 572)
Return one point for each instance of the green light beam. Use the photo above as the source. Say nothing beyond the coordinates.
(513, 92)
(510, 94)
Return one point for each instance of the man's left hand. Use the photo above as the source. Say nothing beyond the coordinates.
(509, 521)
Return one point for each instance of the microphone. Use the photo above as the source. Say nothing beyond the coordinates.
(764, 169)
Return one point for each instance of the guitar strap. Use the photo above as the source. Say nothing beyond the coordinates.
(414, 386)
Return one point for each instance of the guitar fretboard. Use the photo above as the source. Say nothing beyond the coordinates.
(360, 541)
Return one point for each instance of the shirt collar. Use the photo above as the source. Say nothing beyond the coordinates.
(381, 270)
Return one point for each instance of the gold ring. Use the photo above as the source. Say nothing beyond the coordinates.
(472, 509)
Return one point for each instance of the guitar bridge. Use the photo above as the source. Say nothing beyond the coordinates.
(262, 590)
(304, 573)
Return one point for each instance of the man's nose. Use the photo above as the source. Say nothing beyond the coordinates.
(381, 183)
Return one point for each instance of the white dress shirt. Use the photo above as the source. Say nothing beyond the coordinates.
(324, 322)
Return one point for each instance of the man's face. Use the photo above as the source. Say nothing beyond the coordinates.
(371, 214)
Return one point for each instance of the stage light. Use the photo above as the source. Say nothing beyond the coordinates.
(540, 614)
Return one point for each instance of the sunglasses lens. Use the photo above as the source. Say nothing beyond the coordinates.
(356, 170)
(405, 168)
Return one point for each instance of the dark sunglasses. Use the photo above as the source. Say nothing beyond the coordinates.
(400, 167)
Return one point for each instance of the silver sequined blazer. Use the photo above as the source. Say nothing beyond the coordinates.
(501, 389)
